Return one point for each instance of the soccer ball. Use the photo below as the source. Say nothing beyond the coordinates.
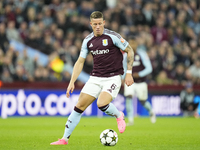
(108, 137)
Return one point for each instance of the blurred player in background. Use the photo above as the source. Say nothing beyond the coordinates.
(141, 68)
(189, 104)
(105, 79)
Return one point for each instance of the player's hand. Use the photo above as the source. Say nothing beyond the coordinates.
(129, 79)
(70, 89)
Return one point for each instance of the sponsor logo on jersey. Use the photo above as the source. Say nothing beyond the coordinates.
(91, 45)
(105, 42)
(97, 52)
(122, 40)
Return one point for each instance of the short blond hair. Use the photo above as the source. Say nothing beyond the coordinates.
(96, 15)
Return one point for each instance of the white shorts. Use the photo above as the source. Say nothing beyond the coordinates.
(140, 90)
(95, 85)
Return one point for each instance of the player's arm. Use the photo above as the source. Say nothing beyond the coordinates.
(124, 45)
(78, 67)
(130, 58)
(147, 64)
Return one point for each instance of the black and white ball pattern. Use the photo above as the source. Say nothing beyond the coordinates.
(109, 137)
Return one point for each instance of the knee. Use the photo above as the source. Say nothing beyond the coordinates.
(100, 104)
(81, 106)
(103, 107)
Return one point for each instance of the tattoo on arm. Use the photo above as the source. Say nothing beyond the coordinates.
(130, 57)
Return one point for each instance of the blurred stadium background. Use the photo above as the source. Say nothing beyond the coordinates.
(40, 41)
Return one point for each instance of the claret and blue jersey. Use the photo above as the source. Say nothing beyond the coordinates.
(141, 65)
(106, 53)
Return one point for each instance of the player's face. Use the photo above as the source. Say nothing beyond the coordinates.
(97, 26)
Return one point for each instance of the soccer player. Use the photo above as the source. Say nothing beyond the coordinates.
(141, 68)
(189, 103)
(105, 79)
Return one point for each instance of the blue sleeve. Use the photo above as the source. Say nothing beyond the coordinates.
(84, 49)
(197, 99)
(146, 62)
(124, 64)
(118, 41)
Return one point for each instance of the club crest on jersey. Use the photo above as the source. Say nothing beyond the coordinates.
(105, 42)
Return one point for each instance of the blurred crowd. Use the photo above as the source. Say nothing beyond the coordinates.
(169, 30)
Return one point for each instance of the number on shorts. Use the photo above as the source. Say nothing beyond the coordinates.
(113, 86)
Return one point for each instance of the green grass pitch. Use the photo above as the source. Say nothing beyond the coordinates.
(36, 133)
